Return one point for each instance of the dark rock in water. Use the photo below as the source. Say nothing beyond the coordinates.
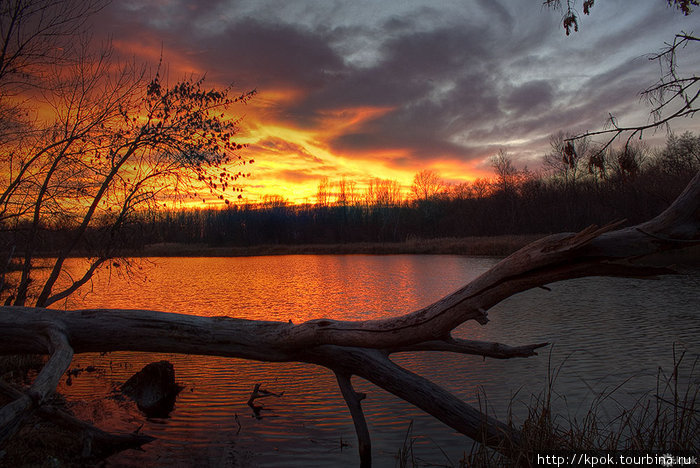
(153, 388)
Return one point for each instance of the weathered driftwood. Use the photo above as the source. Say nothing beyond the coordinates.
(362, 348)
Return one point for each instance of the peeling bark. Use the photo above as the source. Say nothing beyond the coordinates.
(362, 348)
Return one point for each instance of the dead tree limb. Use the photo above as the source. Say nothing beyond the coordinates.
(353, 399)
(259, 393)
(362, 348)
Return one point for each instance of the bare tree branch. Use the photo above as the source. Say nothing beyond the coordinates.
(353, 400)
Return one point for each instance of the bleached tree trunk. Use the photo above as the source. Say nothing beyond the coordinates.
(361, 348)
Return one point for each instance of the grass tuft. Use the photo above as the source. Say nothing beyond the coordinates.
(666, 419)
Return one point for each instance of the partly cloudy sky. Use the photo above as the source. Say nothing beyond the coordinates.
(386, 88)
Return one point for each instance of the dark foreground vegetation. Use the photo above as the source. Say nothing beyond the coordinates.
(663, 421)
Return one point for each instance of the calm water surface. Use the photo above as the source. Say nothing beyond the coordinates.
(605, 332)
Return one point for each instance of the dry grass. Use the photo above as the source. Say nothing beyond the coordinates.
(667, 419)
(41, 444)
(497, 246)
(38, 443)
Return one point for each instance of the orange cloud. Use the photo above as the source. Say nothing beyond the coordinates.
(291, 161)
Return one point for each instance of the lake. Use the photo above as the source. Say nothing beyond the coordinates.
(605, 332)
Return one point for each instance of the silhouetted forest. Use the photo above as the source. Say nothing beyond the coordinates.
(577, 187)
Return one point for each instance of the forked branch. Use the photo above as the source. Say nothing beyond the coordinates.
(674, 96)
(44, 385)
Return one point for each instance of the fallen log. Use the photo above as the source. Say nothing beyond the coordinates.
(362, 348)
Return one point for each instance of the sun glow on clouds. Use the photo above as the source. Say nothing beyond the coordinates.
(291, 161)
(385, 89)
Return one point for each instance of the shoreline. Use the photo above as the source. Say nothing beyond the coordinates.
(496, 246)
(481, 246)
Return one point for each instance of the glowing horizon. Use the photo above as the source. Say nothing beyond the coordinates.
(342, 93)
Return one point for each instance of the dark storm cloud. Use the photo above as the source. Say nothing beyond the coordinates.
(274, 55)
(409, 69)
(454, 87)
(501, 17)
(614, 91)
(436, 81)
(134, 20)
(439, 82)
(423, 125)
(248, 51)
(530, 97)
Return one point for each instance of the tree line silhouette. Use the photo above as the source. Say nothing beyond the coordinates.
(578, 186)
(575, 188)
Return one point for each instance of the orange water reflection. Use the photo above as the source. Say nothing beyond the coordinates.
(297, 288)
(311, 416)
(212, 426)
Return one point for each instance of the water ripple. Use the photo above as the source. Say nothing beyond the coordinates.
(604, 332)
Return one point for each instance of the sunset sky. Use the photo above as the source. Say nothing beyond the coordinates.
(378, 88)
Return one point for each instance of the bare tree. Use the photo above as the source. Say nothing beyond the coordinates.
(346, 192)
(116, 140)
(323, 193)
(35, 34)
(427, 184)
(624, 164)
(681, 155)
(506, 173)
(481, 187)
(383, 192)
(273, 201)
(461, 191)
(343, 197)
(566, 161)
